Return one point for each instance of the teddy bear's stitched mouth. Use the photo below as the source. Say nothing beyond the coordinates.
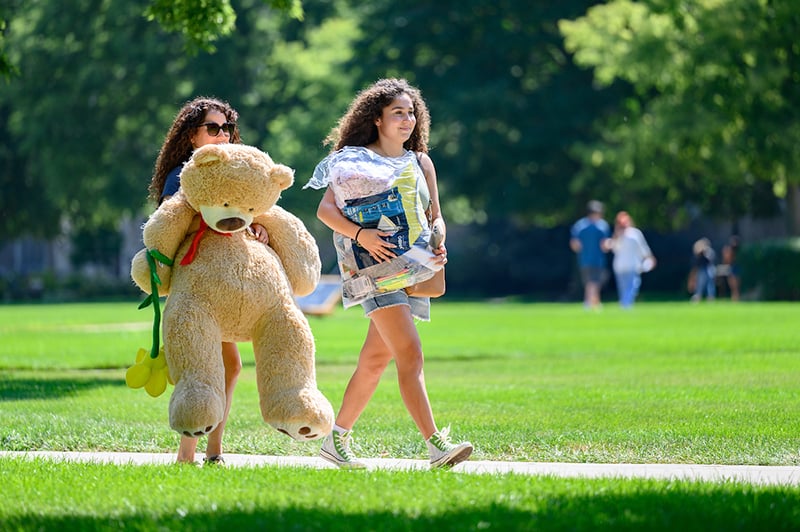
(230, 224)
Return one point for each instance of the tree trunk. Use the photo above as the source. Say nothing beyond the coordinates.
(793, 209)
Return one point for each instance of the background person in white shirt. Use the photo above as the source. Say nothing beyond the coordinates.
(632, 256)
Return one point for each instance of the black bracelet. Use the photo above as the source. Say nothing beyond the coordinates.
(357, 233)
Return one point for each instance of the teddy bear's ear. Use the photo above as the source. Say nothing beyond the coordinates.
(208, 154)
(282, 175)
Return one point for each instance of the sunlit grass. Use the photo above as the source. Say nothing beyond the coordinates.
(663, 383)
(47, 495)
(660, 384)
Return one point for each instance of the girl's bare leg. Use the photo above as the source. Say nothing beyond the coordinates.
(233, 366)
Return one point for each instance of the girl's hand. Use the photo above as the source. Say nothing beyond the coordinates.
(441, 255)
(378, 248)
(259, 232)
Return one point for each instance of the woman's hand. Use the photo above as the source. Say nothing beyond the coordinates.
(438, 236)
(259, 232)
(378, 248)
(441, 255)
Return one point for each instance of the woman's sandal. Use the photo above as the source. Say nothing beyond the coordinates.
(215, 460)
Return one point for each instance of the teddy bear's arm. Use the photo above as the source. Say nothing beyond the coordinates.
(168, 225)
(295, 246)
(163, 232)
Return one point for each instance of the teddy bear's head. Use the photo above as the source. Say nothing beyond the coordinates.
(229, 184)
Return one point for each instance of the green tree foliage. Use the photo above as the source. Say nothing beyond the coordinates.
(85, 116)
(506, 101)
(99, 86)
(713, 126)
(7, 68)
(202, 23)
(300, 89)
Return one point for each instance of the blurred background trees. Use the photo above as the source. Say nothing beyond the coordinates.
(674, 111)
(713, 122)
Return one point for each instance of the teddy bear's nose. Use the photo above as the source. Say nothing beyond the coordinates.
(230, 224)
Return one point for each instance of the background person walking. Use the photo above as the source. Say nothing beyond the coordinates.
(703, 267)
(632, 256)
(730, 267)
(586, 239)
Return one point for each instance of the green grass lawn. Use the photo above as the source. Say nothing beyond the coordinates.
(663, 383)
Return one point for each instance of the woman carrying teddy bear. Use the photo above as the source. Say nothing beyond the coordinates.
(201, 121)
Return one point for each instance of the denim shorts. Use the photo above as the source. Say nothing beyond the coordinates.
(420, 306)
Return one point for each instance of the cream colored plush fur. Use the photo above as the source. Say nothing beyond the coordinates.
(236, 289)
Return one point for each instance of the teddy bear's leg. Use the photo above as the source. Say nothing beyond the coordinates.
(193, 349)
(283, 345)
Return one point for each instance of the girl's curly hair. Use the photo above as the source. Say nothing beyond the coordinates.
(357, 126)
(177, 147)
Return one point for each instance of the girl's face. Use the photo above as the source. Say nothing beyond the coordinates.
(397, 120)
(214, 122)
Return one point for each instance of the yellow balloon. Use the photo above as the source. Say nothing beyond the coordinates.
(160, 361)
(137, 375)
(157, 383)
(140, 355)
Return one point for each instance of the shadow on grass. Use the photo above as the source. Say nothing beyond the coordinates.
(716, 509)
(25, 388)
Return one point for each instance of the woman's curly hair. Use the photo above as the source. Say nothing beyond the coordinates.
(357, 126)
(177, 147)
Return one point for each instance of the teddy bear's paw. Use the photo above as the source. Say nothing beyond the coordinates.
(194, 431)
(302, 415)
(301, 431)
(195, 410)
(199, 432)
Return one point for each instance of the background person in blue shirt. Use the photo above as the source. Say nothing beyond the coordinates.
(587, 238)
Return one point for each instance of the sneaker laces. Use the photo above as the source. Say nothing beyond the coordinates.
(341, 442)
(441, 439)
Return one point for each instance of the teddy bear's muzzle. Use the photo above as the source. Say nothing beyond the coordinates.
(225, 219)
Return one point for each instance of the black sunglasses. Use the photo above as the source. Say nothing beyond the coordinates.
(213, 128)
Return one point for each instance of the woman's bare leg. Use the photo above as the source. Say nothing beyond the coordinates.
(398, 332)
(232, 362)
(233, 366)
(372, 362)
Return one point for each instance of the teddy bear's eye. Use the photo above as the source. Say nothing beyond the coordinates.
(251, 209)
(226, 204)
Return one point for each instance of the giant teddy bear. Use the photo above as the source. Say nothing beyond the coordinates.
(224, 285)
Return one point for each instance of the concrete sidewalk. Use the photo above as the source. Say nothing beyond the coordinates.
(764, 475)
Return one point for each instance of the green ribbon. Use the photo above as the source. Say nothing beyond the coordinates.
(154, 255)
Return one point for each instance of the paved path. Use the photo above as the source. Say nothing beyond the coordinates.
(765, 475)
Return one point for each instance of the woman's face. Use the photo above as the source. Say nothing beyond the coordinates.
(214, 120)
(397, 120)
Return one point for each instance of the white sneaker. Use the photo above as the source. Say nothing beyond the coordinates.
(336, 449)
(444, 453)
